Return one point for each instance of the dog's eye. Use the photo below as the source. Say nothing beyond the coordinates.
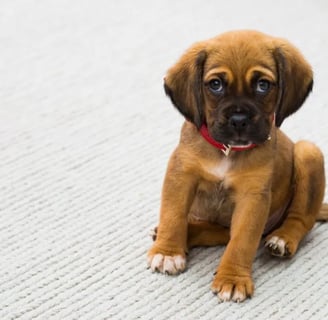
(263, 86)
(216, 85)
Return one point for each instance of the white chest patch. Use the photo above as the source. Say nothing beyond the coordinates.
(221, 169)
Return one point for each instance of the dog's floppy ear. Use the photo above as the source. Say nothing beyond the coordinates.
(295, 79)
(183, 84)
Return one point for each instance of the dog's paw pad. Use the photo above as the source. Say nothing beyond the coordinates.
(278, 247)
(170, 265)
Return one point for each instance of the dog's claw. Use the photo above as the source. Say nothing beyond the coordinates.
(153, 233)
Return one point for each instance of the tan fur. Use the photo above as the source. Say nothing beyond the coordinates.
(211, 199)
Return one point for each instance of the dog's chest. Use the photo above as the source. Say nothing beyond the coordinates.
(219, 170)
(213, 201)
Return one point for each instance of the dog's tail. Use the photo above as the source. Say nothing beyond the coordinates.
(323, 213)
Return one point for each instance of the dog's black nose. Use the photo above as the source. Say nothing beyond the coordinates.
(239, 121)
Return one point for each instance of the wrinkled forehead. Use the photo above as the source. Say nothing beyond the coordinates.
(243, 61)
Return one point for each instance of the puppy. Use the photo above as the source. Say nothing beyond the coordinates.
(235, 176)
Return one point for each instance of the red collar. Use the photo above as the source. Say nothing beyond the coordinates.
(225, 148)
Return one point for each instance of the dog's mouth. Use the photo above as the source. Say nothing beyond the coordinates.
(254, 133)
(245, 141)
(240, 143)
(236, 139)
(226, 146)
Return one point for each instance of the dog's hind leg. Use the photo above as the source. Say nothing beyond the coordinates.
(202, 233)
(309, 185)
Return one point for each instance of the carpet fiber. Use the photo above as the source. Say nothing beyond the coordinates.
(85, 135)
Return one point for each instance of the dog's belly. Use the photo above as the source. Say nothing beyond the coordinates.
(212, 203)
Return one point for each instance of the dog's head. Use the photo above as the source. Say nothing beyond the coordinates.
(238, 83)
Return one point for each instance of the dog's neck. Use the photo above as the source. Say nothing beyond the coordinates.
(225, 148)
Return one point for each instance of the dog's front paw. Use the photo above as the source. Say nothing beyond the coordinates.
(280, 246)
(167, 264)
(230, 287)
(166, 261)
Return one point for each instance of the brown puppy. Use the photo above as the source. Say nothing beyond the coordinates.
(235, 176)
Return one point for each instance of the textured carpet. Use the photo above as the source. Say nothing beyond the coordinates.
(85, 135)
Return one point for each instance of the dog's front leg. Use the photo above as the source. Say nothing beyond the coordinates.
(233, 280)
(168, 254)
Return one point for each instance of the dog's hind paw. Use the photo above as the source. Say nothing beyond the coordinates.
(278, 246)
(153, 233)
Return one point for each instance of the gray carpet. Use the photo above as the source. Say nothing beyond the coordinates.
(85, 135)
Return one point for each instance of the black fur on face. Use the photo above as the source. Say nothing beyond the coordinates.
(239, 121)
